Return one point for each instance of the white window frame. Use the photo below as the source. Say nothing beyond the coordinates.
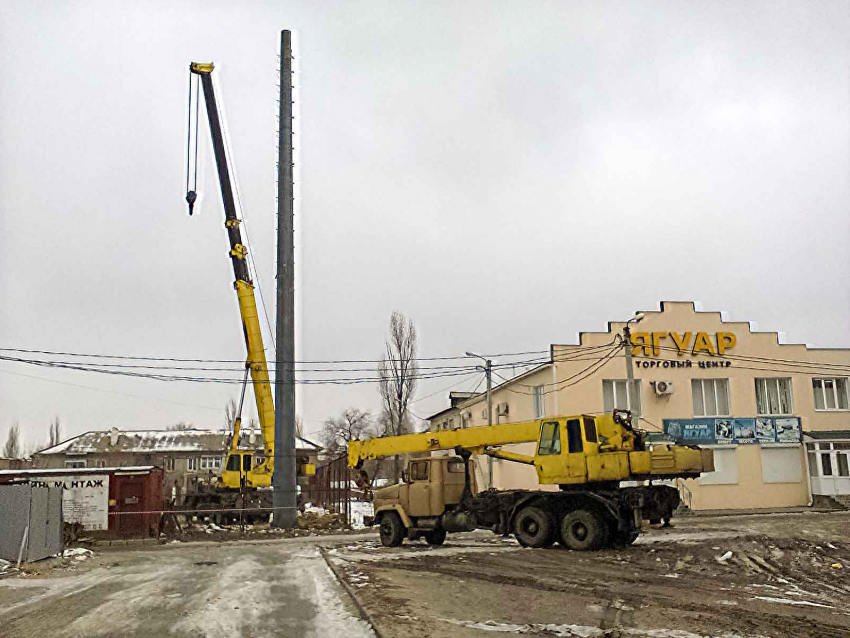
(832, 450)
(169, 464)
(836, 394)
(538, 401)
(75, 464)
(193, 464)
(210, 463)
(781, 388)
(614, 385)
(701, 383)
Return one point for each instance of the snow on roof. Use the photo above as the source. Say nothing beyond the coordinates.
(153, 441)
(76, 470)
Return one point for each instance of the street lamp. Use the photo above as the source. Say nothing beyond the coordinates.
(631, 389)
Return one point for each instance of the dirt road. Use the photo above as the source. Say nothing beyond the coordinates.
(787, 575)
(273, 588)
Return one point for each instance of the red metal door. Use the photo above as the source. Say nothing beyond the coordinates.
(130, 500)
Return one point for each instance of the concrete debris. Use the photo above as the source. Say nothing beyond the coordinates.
(722, 559)
(77, 553)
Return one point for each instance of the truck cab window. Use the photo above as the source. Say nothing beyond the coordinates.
(574, 436)
(418, 471)
(246, 462)
(550, 439)
(590, 430)
(233, 463)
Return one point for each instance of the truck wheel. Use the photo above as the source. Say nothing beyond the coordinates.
(392, 530)
(533, 527)
(436, 536)
(583, 530)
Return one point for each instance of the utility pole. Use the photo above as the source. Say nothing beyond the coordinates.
(284, 481)
(488, 371)
(631, 389)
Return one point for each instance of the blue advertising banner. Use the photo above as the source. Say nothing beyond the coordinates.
(728, 431)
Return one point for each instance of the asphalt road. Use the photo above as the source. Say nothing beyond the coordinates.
(235, 590)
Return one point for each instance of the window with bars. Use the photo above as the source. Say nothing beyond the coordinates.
(711, 397)
(830, 394)
(615, 395)
(539, 397)
(773, 397)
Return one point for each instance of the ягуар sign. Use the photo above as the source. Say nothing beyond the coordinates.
(729, 431)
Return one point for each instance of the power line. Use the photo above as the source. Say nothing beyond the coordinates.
(242, 361)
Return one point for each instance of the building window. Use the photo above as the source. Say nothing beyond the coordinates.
(725, 468)
(711, 397)
(169, 464)
(773, 397)
(615, 395)
(193, 463)
(538, 396)
(75, 463)
(813, 460)
(830, 394)
(781, 465)
(210, 462)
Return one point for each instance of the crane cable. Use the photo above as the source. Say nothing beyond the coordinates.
(192, 195)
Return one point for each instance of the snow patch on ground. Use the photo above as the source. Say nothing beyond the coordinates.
(788, 601)
(80, 553)
(317, 583)
(578, 631)
(360, 509)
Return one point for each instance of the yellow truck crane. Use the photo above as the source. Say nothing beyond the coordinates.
(586, 457)
(243, 475)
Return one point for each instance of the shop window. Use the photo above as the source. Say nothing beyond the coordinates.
(615, 395)
(781, 465)
(812, 459)
(825, 464)
(711, 397)
(773, 397)
(538, 396)
(725, 468)
(830, 394)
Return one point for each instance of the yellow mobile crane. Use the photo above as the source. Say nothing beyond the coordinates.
(242, 473)
(586, 457)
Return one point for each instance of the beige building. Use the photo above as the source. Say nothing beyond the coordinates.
(777, 415)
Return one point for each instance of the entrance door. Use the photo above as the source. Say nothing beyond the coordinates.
(130, 497)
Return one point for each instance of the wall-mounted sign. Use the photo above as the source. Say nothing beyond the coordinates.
(85, 498)
(650, 344)
(725, 431)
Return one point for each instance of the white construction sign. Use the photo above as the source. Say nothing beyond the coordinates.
(85, 498)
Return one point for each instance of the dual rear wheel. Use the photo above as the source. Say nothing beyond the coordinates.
(581, 530)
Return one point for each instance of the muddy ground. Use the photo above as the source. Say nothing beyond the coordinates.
(787, 575)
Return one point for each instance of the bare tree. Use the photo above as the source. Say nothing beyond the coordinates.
(299, 426)
(13, 450)
(182, 426)
(55, 432)
(230, 414)
(398, 372)
(352, 425)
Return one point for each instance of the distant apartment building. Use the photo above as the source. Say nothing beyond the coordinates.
(776, 415)
(187, 456)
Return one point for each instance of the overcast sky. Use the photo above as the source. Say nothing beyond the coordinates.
(506, 174)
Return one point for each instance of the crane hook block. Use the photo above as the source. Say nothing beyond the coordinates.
(191, 196)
